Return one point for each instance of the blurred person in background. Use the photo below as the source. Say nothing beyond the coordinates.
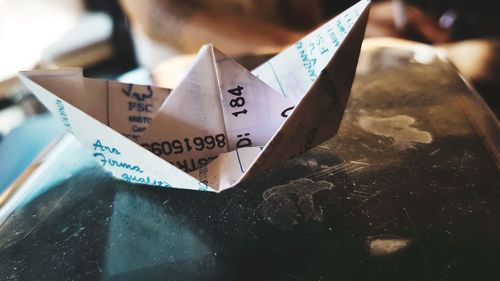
(165, 28)
(244, 26)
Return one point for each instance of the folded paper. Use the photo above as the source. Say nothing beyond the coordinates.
(222, 123)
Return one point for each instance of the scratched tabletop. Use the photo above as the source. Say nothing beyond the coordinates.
(409, 189)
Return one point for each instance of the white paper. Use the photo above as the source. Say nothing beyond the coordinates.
(222, 123)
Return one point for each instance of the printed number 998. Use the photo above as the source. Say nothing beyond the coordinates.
(186, 145)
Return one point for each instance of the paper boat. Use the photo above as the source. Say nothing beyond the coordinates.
(222, 124)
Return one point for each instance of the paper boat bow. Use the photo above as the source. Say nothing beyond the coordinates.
(222, 123)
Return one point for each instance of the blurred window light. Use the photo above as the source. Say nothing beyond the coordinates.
(27, 27)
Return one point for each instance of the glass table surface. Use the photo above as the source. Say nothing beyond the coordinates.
(407, 190)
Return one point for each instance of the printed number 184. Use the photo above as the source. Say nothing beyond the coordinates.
(239, 101)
